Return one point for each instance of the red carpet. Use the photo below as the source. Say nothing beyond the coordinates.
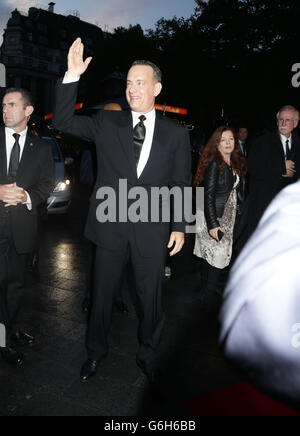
(238, 400)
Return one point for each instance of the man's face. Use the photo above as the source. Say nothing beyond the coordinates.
(287, 122)
(243, 134)
(15, 114)
(142, 89)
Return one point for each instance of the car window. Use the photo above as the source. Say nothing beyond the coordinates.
(55, 149)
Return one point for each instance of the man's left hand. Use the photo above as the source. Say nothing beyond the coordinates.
(14, 196)
(176, 238)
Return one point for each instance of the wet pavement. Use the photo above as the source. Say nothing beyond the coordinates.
(48, 382)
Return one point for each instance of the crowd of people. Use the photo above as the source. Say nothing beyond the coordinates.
(240, 180)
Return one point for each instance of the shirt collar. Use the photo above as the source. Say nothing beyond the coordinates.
(10, 131)
(149, 116)
(284, 138)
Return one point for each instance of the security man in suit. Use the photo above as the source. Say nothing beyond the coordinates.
(26, 181)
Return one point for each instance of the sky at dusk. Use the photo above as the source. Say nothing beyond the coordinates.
(108, 14)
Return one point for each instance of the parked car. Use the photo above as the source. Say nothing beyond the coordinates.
(60, 199)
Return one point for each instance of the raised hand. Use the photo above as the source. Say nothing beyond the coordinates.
(76, 65)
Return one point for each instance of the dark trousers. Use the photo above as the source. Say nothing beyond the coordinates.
(12, 278)
(122, 293)
(148, 276)
(212, 279)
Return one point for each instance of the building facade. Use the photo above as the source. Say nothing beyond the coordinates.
(35, 47)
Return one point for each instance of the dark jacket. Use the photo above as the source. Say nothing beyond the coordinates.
(266, 165)
(168, 166)
(217, 189)
(36, 176)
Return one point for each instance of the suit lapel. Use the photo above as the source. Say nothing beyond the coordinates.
(28, 151)
(3, 157)
(279, 146)
(158, 141)
(126, 138)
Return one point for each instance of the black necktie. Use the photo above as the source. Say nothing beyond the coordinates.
(139, 133)
(287, 149)
(14, 159)
(243, 148)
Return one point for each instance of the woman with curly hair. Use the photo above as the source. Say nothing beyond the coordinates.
(221, 169)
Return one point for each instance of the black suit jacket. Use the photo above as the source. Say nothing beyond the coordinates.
(36, 176)
(168, 166)
(266, 165)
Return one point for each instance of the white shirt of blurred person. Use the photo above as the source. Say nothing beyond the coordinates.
(260, 317)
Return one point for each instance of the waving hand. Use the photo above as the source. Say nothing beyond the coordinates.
(76, 65)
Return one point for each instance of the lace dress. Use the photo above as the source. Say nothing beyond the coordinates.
(217, 254)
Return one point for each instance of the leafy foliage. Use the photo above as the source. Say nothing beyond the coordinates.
(230, 54)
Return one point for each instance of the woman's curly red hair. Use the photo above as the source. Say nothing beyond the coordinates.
(211, 151)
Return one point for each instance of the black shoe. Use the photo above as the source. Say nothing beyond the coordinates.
(121, 307)
(21, 338)
(88, 370)
(86, 305)
(11, 356)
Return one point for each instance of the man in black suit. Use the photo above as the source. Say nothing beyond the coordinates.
(273, 163)
(26, 181)
(243, 136)
(144, 150)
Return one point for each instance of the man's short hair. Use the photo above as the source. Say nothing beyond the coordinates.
(26, 95)
(156, 71)
(289, 107)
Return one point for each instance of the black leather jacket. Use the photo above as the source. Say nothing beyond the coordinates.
(217, 189)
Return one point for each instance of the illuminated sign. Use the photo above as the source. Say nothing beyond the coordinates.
(50, 116)
(171, 109)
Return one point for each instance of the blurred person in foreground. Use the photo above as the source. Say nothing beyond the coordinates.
(222, 168)
(260, 317)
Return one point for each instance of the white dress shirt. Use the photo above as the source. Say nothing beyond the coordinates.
(10, 142)
(149, 124)
(145, 152)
